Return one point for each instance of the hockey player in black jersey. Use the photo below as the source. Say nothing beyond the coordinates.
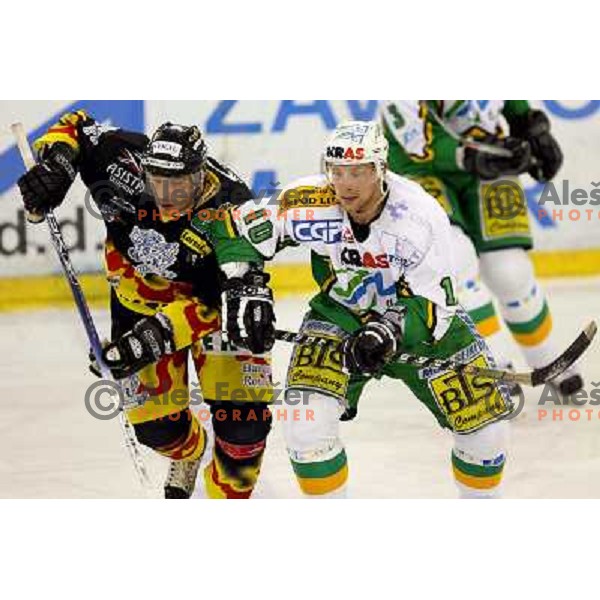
(158, 198)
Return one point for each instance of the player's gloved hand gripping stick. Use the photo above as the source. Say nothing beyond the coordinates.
(248, 315)
(82, 307)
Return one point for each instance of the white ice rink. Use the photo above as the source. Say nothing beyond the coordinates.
(50, 447)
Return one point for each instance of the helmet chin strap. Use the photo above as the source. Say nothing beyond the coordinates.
(381, 169)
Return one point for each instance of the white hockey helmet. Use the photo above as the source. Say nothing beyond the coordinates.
(356, 143)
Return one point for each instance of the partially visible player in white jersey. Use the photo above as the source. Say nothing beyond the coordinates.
(469, 155)
(381, 254)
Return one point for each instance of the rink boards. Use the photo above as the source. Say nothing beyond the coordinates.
(271, 143)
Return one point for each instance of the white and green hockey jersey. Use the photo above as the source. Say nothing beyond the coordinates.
(405, 258)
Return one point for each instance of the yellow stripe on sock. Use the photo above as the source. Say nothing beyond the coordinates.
(488, 326)
(537, 336)
(479, 483)
(324, 485)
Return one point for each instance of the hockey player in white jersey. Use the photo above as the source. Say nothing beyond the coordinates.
(382, 256)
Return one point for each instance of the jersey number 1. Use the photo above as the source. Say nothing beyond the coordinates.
(446, 284)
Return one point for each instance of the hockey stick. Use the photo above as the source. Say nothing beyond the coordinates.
(84, 311)
(532, 378)
(474, 144)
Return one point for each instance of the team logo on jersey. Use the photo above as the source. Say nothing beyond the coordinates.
(504, 199)
(256, 375)
(132, 160)
(153, 253)
(93, 132)
(327, 231)
(124, 179)
(397, 210)
(363, 284)
(504, 210)
(468, 403)
(347, 235)
(195, 243)
(352, 257)
(319, 368)
(409, 255)
(308, 195)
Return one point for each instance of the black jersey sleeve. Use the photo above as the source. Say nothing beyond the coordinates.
(233, 189)
(87, 139)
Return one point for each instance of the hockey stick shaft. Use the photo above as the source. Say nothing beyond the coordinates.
(532, 378)
(488, 148)
(63, 256)
(417, 361)
(82, 306)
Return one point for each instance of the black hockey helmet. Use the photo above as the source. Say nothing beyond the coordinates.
(175, 150)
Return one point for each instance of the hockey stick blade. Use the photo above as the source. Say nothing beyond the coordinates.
(567, 358)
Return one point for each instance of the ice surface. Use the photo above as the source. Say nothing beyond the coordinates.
(50, 447)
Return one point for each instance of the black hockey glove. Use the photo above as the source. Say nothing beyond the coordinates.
(535, 128)
(45, 186)
(491, 166)
(248, 315)
(146, 343)
(370, 348)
